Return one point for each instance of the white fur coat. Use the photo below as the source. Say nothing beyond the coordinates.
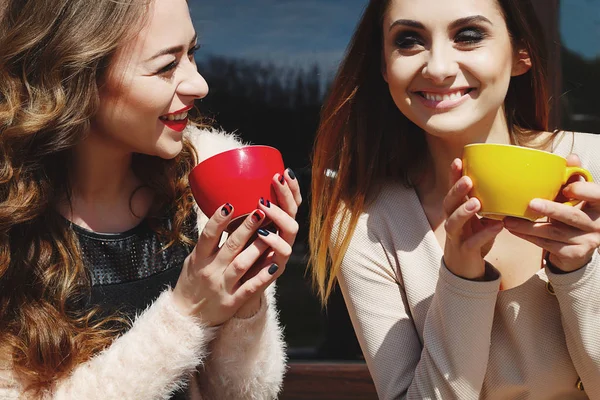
(164, 350)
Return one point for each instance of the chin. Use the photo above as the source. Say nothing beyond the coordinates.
(443, 125)
(169, 151)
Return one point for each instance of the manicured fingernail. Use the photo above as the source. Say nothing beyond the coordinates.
(471, 205)
(265, 203)
(226, 210)
(263, 232)
(291, 173)
(281, 179)
(273, 268)
(462, 185)
(257, 215)
(536, 205)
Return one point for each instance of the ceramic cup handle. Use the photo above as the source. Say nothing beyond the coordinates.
(569, 172)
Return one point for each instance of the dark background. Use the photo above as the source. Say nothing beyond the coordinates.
(268, 64)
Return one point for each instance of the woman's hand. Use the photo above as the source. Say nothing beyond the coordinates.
(217, 282)
(468, 237)
(573, 233)
(288, 196)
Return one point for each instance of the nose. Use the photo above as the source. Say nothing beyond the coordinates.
(192, 84)
(440, 65)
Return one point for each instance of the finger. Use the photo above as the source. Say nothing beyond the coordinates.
(265, 259)
(242, 263)
(573, 160)
(484, 236)
(555, 230)
(457, 220)
(236, 242)
(281, 248)
(294, 184)
(457, 194)
(586, 191)
(546, 244)
(258, 283)
(208, 239)
(287, 191)
(455, 170)
(287, 225)
(566, 214)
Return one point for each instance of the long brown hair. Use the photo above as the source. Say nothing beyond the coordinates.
(363, 139)
(54, 56)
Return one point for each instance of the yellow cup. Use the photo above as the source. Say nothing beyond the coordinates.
(506, 178)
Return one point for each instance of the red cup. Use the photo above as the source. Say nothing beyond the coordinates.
(239, 176)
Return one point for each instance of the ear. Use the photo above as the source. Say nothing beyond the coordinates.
(522, 61)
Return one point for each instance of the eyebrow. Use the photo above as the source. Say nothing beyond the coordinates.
(172, 50)
(410, 23)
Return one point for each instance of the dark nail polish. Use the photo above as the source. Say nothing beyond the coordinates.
(226, 210)
(264, 202)
(263, 232)
(273, 268)
(256, 216)
(281, 179)
(291, 173)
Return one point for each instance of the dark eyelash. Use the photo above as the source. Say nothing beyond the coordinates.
(167, 68)
(194, 49)
(407, 40)
(470, 36)
(172, 65)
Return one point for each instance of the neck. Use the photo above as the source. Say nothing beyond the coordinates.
(445, 148)
(103, 182)
(99, 173)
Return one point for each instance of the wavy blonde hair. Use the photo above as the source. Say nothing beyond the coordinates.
(54, 56)
(365, 140)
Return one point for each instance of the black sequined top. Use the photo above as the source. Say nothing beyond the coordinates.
(129, 270)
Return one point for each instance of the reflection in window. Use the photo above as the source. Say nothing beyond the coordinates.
(268, 63)
(580, 62)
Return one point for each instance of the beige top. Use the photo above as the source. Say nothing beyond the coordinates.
(427, 333)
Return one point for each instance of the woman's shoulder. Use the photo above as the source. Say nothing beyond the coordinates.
(585, 145)
(209, 141)
(392, 205)
(393, 195)
(576, 142)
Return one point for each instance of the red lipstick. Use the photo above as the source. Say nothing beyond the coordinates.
(176, 124)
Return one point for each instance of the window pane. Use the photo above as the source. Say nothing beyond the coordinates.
(580, 59)
(267, 64)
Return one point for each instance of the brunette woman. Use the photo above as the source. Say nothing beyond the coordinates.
(447, 305)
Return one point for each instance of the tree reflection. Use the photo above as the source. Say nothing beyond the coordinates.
(581, 85)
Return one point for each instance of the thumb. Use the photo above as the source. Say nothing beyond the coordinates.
(573, 160)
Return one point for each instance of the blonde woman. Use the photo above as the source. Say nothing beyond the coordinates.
(111, 286)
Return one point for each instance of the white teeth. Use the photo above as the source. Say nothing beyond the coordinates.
(445, 97)
(175, 117)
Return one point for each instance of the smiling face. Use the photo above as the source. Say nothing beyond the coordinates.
(448, 64)
(151, 84)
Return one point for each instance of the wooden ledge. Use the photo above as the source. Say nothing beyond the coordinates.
(328, 380)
